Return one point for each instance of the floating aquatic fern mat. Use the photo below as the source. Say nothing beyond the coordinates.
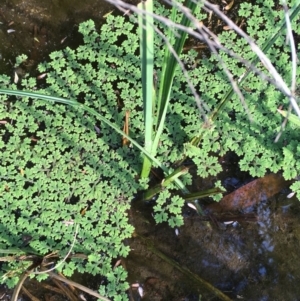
(61, 167)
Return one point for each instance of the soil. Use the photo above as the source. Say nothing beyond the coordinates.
(38, 27)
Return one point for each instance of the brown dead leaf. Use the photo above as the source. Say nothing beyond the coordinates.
(125, 141)
(251, 193)
(229, 6)
(151, 281)
(118, 263)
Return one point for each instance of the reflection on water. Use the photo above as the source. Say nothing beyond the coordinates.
(271, 274)
(248, 261)
(265, 225)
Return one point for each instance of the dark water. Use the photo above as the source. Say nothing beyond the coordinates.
(247, 260)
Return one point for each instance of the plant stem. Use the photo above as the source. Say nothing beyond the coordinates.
(79, 286)
(147, 63)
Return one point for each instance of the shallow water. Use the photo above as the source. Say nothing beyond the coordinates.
(246, 260)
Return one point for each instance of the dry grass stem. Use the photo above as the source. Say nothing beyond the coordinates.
(275, 78)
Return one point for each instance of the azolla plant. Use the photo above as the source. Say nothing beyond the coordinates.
(62, 166)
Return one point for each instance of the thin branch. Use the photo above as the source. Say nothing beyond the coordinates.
(125, 7)
(277, 79)
(203, 30)
(65, 258)
(79, 286)
(27, 292)
(19, 285)
(263, 58)
(213, 42)
(291, 40)
(66, 290)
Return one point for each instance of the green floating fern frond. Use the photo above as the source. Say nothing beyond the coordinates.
(60, 165)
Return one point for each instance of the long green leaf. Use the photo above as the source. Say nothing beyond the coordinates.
(146, 32)
(294, 13)
(169, 68)
(202, 194)
(282, 26)
(74, 103)
(291, 117)
(166, 182)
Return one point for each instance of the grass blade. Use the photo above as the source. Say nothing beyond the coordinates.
(74, 103)
(146, 32)
(169, 66)
(291, 117)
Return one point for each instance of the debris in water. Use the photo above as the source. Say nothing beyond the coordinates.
(141, 291)
(290, 195)
(10, 30)
(62, 40)
(41, 76)
(228, 223)
(262, 271)
(135, 285)
(235, 224)
(16, 78)
(176, 231)
(285, 208)
(192, 206)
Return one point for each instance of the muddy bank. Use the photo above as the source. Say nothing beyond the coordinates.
(38, 27)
